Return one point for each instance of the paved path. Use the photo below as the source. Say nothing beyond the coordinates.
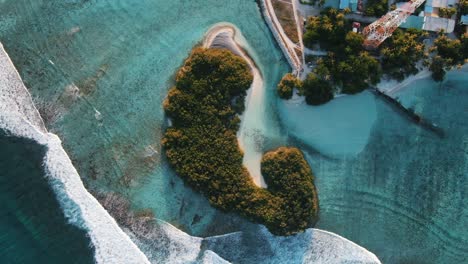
(307, 10)
(285, 41)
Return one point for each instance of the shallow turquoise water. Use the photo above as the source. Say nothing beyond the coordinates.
(384, 183)
(33, 227)
(404, 197)
(122, 55)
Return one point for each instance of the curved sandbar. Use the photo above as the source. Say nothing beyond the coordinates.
(202, 146)
(225, 35)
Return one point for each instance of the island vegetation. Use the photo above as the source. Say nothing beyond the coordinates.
(447, 53)
(347, 65)
(348, 68)
(376, 8)
(286, 86)
(201, 145)
(447, 12)
(315, 90)
(402, 52)
(463, 7)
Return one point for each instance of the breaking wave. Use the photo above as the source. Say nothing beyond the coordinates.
(160, 241)
(18, 116)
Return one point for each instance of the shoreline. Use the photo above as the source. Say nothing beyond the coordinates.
(19, 116)
(113, 244)
(391, 86)
(232, 39)
(280, 36)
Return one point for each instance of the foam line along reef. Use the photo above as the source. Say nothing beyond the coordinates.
(18, 116)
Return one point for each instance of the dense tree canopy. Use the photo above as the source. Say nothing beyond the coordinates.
(447, 12)
(347, 65)
(401, 53)
(289, 176)
(326, 30)
(286, 86)
(437, 67)
(463, 6)
(376, 8)
(316, 91)
(202, 147)
(464, 45)
(448, 53)
(449, 49)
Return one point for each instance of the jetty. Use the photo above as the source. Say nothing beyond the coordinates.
(409, 113)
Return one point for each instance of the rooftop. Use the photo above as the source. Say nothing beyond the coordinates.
(413, 22)
(464, 20)
(438, 24)
(441, 3)
(429, 23)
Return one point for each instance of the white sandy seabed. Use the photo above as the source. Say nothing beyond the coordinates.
(19, 117)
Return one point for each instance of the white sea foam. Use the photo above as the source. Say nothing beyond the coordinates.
(18, 116)
(257, 245)
(311, 246)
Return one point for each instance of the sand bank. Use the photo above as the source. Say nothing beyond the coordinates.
(249, 136)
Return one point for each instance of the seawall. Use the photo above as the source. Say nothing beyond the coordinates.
(278, 33)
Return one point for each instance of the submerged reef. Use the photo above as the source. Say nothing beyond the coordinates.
(202, 147)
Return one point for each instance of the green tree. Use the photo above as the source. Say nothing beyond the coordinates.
(346, 65)
(449, 49)
(463, 7)
(354, 42)
(327, 30)
(447, 12)
(437, 68)
(358, 72)
(401, 53)
(376, 8)
(464, 46)
(316, 91)
(286, 86)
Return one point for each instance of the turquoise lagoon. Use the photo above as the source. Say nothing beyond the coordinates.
(403, 194)
(383, 182)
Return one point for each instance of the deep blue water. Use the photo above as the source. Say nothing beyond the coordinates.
(33, 228)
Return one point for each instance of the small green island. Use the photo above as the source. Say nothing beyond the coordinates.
(202, 147)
